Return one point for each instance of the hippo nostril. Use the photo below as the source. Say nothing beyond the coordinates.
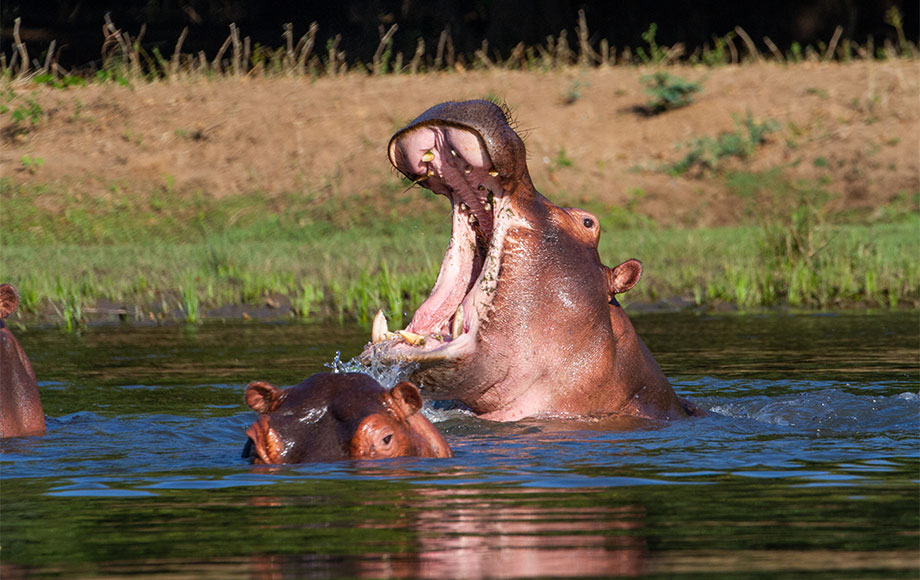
(588, 222)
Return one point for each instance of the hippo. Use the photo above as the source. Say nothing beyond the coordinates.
(21, 411)
(522, 319)
(332, 416)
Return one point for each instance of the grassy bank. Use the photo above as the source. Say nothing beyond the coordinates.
(169, 256)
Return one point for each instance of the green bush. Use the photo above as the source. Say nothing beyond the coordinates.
(668, 91)
(706, 153)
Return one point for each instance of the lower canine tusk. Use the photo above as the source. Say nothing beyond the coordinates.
(456, 328)
(379, 329)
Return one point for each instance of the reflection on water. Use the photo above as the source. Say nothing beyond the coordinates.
(806, 464)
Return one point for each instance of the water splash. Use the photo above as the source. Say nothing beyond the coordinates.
(387, 374)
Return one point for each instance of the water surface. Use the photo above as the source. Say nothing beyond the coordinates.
(807, 465)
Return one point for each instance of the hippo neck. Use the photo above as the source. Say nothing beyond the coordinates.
(640, 386)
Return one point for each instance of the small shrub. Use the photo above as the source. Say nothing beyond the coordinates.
(24, 116)
(31, 164)
(706, 153)
(668, 91)
(655, 54)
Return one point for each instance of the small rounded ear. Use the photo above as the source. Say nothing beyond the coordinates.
(623, 277)
(407, 397)
(263, 397)
(9, 300)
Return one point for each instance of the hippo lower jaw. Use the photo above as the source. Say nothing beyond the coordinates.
(451, 161)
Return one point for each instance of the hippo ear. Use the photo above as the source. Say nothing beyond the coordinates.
(263, 397)
(9, 300)
(407, 397)
(623, 277)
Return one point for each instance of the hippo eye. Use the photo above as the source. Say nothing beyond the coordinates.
(387, 439)
(588, 222)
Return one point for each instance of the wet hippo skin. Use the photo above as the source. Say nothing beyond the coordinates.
(334, 416)
(21, 411)
(522, 320)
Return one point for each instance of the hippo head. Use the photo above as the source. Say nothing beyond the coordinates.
(522, 319)
(333, 416)
(21, 410)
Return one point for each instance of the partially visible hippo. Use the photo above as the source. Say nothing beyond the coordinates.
(333, 416)
(21, 411)
(522, 319)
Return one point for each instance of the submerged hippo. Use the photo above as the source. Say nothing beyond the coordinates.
(20, 406)
(339, 416)
(522, 319)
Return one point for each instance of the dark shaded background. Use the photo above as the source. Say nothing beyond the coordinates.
(77, 25)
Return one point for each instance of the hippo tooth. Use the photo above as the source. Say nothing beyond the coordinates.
(428, 156)
(481, 187)
(468, 169)
(487, 206)
(473, 219)
(379, 329)
(411, 337)
(493, 173)
(454, 152)
(464, 207)
(456, 328)
(430, 172)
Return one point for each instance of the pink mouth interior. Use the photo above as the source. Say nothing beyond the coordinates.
(453, 161)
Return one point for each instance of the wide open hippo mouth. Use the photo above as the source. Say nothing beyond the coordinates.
(451, 159)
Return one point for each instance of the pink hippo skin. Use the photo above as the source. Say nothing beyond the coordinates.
(21, 411)
(522, 320)
(333, 416)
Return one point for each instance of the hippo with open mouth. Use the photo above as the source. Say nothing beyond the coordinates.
(522, 320)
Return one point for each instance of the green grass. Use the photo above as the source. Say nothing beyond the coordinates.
(165, 255)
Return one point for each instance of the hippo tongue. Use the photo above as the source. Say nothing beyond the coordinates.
(452, 161)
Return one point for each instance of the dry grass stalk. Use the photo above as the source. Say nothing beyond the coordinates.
(289, 60)
(731, 49)
(482, 55)
(673, 53)
(439, 55)
(416, 62)
(216, 63)
(174, 61)
(516, 58)
(563, 53)
(385, 40)
(237, 51)
(829, 53)
(124, 56)
(777, 54)
(332, 66)
(605, 53)
(305, 47)
(586, 54)
(48, 56)
(751, 47)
